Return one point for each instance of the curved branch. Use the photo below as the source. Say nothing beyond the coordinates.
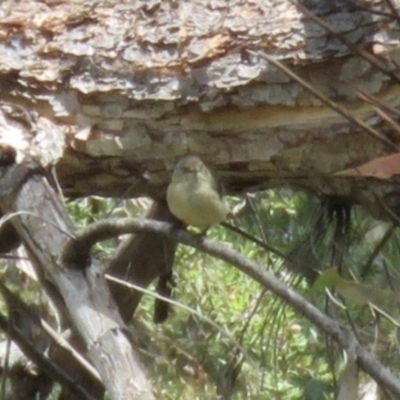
(346, 339)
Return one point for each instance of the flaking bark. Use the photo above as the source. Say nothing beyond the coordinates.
(134, 85)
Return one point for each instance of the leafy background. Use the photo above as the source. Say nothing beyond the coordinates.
(228, 338)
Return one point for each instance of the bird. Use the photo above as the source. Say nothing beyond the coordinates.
(193, 195)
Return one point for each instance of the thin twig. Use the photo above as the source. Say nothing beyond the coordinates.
(327, 101)
(151, 293)
(352, 46)
(109, 228)
(42, 362)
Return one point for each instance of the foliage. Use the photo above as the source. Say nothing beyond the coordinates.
(261, 349)
(281, 355)
(241, 342)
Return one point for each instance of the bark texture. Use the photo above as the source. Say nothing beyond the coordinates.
(131, 86)
(44, 227)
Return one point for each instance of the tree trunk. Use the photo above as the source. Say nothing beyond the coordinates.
(44, 228)
(134, 85)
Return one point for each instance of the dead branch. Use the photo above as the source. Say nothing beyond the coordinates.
(345, 338)
(44, 228)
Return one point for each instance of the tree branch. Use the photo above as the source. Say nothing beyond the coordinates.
(29, 331)
(346, 339)
(140, 259)
(44, 228)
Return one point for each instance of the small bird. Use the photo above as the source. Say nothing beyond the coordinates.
(193, 196)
